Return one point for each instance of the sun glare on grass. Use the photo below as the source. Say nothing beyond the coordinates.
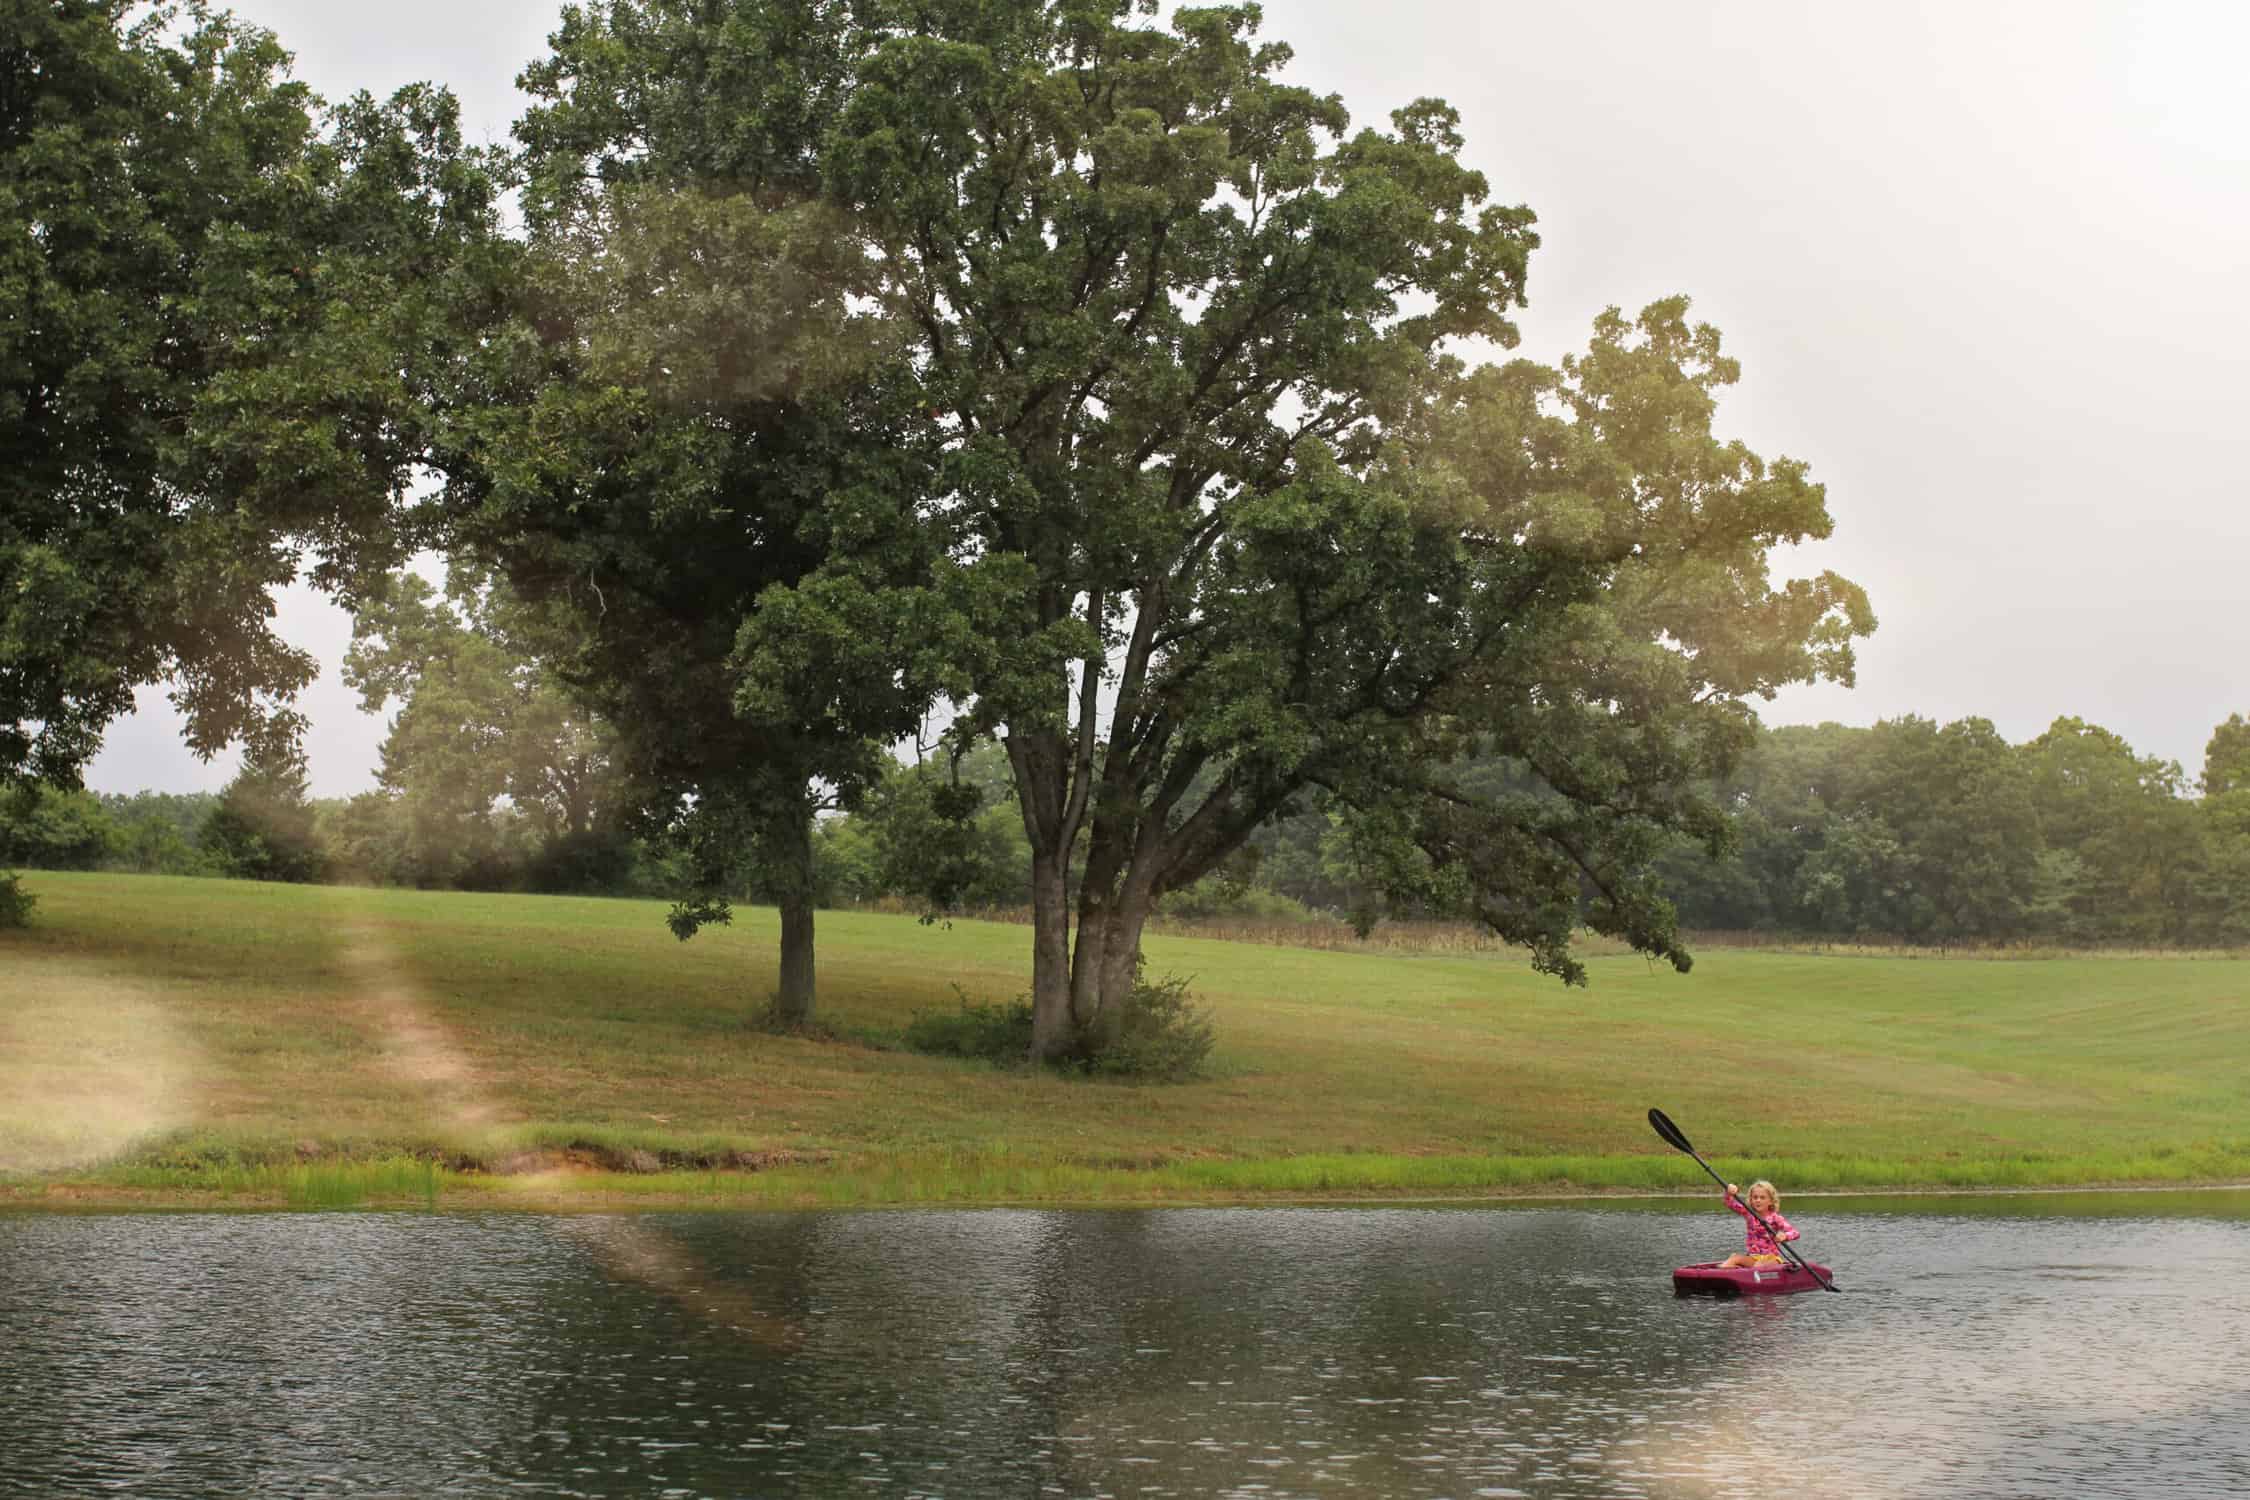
(89, 1063)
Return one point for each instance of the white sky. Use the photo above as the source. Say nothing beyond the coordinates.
(1984, 266)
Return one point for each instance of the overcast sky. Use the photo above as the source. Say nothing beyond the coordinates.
(1983, 264)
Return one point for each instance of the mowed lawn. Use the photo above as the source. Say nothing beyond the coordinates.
(140, 1012)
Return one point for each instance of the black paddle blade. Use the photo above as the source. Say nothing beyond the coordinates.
(1671, 1132)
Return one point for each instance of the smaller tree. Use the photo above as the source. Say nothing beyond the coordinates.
(16, 903)
(699, 413)
(2226, 759)
(263, 827)
(1795, 863)
(949, 836)
(1860, 880)
(482, 722)
(2222, 884)
(1793, 786)
(2131, 835)
(1958, 800)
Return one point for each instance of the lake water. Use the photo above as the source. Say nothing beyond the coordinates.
(1987, 1348)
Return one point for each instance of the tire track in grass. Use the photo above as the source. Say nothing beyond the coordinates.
(418, 1050)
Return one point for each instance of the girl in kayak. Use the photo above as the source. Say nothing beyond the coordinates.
(1759, 1247)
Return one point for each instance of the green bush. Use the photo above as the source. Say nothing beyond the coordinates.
(1220, 897)
(589, 863)
(997, 1033)
(1162, 1035)
(15, 902)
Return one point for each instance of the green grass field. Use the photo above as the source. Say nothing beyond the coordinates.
(168, 1039)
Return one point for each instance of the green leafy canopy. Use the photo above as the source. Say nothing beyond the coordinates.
(213, 285)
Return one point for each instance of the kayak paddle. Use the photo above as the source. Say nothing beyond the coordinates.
(1676, 1138)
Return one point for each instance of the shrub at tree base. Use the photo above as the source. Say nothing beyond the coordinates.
(1161, 1035)
(999, 1033)
(16, 902)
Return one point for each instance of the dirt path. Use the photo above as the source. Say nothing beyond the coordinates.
(416, 1047)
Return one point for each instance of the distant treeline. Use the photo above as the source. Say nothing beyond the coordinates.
(1943, 833)
(248, 834)
(1909, 830)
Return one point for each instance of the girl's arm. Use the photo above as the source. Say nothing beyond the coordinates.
(1782, 1228)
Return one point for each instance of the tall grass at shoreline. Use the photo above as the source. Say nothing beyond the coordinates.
(969, 1179)
(345, 1184)
(209, 1037)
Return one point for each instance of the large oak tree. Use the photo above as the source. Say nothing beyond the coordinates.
(1236, 526)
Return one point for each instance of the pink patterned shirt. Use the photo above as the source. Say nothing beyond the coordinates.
(1756, 1240)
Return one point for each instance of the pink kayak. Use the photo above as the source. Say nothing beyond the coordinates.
(1714, 1280)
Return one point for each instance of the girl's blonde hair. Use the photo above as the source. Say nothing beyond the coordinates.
(1769, 1187)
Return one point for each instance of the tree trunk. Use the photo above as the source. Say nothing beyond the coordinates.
(1106, 962)
(1120, 956)
(1090, 1018)
(1051, 1027)
(1121, 963)
(793, 1001)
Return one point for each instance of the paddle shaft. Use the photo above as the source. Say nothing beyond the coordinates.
(1671, 1134)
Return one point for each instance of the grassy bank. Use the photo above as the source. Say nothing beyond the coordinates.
(167, 1040)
